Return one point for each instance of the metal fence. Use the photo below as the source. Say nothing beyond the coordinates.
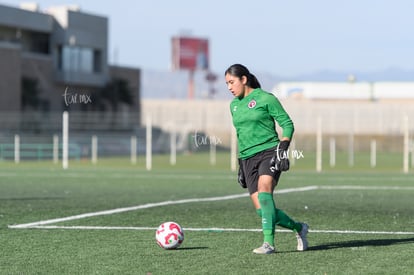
(51, 122)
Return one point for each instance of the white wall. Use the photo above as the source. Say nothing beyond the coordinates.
(336, 90)
(394, 90)
(338, 116)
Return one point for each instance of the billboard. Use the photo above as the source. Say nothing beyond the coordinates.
(190, 53)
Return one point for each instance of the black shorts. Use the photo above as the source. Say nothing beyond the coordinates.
(256, 166)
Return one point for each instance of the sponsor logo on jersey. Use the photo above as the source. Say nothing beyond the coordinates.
(251, 104)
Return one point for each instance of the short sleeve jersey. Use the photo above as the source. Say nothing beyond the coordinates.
(254, 118)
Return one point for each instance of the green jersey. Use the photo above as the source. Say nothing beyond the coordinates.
(254, 118)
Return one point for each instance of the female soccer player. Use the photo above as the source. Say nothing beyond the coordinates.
(262, 154)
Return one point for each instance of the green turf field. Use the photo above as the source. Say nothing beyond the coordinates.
(101, 219)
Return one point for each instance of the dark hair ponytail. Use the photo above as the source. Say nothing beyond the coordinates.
(253, 82)
(239, 71)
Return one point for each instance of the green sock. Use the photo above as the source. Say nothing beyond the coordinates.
(268, 217)
(283, 220)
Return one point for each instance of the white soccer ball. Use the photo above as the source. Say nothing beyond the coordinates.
(169, 235)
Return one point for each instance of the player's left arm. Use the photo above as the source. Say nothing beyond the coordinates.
(282, 118)
(280, 160)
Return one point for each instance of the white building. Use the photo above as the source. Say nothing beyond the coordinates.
(348, 91)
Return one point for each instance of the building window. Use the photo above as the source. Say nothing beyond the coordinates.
(97, 61)
(78, 59)
(38, 42)
(30, 41)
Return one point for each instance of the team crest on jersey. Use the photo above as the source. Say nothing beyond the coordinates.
(252, 104)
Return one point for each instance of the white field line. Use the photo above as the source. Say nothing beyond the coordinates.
(43, 224)
(362, 178)
(361, 187)
(149, 205)
(217, 229)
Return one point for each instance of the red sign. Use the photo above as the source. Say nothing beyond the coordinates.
(190, 53)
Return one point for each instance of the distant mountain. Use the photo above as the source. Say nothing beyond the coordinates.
(174, 85)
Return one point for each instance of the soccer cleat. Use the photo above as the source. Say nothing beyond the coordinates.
(266, 248)
(301, 237)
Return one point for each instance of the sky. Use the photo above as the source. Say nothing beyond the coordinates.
(285, 38)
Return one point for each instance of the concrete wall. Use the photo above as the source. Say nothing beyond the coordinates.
(338, 117)
(40, 67)
(23, 19)
(133, 76)
(10, 73)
